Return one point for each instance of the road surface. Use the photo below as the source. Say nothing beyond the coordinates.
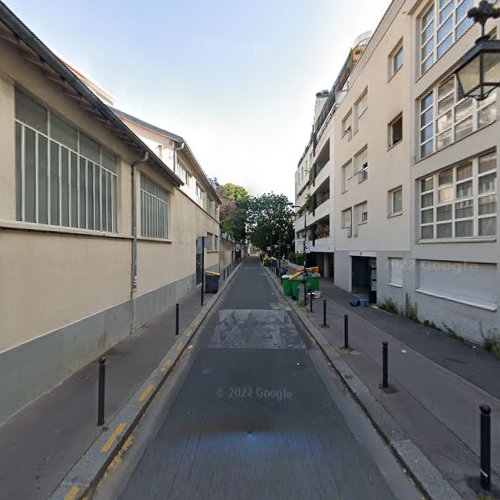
(260, 414)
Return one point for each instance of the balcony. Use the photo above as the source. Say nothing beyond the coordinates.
(322, 245)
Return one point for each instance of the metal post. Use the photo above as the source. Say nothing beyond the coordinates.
(385, 368)
(324, 312)
(177, 319)
(310, 302)
(100, 394)
(346, 331)
(202, 269)
(485, 473)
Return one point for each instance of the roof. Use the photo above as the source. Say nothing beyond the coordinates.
(174, 137)
(30, 45)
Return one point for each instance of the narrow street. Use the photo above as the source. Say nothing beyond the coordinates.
(261, 415)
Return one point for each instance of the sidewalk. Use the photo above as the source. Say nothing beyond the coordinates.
(41, 443)
(436, 383)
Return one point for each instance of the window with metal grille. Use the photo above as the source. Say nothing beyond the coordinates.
(444, 119)
(441, 25)
(460, 201)
(63, 178)
(154, 210)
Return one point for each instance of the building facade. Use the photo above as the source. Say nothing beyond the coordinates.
(415, 194)
(97, 233)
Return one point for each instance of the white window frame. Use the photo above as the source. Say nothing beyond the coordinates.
(452, 14)
(447, 112)
(393, 67)
(456, 203)
(346, 176)
(361, 164)
(391, 131)
(361, 105)
(155, 210)
(396, 268)
(347, 125)
(347, 221)
(391, 198)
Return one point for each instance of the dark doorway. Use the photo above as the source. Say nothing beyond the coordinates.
(364, 277)
(199, 250)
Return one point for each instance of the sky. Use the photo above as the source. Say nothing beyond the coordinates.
(236, 79)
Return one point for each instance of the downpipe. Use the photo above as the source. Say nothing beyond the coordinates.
(133, 274)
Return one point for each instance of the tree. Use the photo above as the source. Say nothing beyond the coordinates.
(270, 219)
(233, 210)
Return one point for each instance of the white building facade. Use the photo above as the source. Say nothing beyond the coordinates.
(414, 183)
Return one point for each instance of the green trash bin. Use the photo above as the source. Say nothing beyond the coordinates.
(295, 287)
(313, 283)
(287, 285)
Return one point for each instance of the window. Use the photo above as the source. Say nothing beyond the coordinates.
(154, 210)
(199, 193)
(396, 60)
(471, 283)
(362, 105)
(347, 221)
(159, 151)
(460, 201)
(443, 23)
(396, 131)
(362, 213)
(396, 272)
(444, 119)
(396, 201)
(181, 172)
(346, 176)
(347, 126)
(63, 178)
(216, 243)
(361, 165)
(210, 242)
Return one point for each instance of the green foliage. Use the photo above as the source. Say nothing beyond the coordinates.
(491, 341)
(233, 210)
(410, 309)
(390, 306)
(270, 222)
(296, 258)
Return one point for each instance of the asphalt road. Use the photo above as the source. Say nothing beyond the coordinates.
(260, 414)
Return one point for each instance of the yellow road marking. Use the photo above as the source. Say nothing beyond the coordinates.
(71, 495)
(146, 393)
(189, 333)
(167, 364)
(196, 321)
(179, 346)
(113, 436)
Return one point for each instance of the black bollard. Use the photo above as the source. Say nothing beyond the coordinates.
(310, 302)
(100, 394)
(385, 368)
(177, 319)
(485, 473)
(346, 331)
(324, 312)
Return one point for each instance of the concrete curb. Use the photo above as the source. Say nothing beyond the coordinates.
(425, 475)
(90, 468)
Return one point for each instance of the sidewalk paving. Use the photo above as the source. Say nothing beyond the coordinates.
(437, 383)
(41, 443)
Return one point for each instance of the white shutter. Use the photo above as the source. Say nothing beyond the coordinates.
(471, 283)
(396, 271)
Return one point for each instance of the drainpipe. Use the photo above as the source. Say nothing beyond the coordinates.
(133, 281)
(175, 153)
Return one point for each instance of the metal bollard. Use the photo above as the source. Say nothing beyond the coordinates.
(346, 331)
(310, 302)
(324, 312)
(202, 290)
(100, 394)
(485, 472)
(385, 369)
(177, 319)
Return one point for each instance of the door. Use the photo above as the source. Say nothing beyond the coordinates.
(199, 250)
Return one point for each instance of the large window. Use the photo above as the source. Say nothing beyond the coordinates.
(154, 210)
(63, 178)
(444, 119)
(441, 24)
(361, 165)
(347, 221)
(396, 271)
(460, 201)
(346, 176)
(347, 125)
(395, 202)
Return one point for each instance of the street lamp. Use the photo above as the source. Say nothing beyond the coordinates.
(305, 231)
(478, 72)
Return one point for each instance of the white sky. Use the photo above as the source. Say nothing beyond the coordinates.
(236, 79)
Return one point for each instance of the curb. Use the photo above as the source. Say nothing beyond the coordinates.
(425, 475)
(92, 465)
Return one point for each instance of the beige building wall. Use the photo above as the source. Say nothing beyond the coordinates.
(65, 292)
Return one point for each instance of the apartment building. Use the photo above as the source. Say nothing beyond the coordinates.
(97, 232)
(415, 172)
